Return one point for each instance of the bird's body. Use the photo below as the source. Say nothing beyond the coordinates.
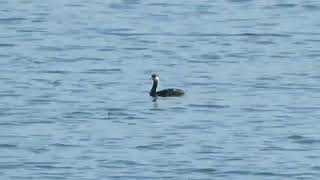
(172, 92)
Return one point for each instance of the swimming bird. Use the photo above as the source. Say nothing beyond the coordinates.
(172, 92)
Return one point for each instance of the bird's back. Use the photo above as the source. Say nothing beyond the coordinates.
(170, 92)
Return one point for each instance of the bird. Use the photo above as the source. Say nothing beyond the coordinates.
(172, 92)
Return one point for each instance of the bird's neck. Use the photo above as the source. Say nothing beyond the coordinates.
(154, 88)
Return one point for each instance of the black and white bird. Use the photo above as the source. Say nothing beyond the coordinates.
(172, 92)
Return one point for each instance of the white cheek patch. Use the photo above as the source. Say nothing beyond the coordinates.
(157, 78)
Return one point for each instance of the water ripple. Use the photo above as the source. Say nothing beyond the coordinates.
(74, 100)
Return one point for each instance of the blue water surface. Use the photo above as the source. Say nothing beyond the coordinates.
(74, 81)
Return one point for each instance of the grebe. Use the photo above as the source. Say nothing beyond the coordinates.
(163, 93)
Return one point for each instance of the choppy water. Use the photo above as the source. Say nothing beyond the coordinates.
(75, 79)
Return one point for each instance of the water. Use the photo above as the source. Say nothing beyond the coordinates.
(75, 81)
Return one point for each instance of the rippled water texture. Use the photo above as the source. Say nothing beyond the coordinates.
(74, 80)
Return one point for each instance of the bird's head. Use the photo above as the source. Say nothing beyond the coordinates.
(155, 77)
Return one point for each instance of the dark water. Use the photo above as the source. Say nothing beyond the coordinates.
(75, 79)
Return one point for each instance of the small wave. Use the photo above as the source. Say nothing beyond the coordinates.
(208, 106)
(51, 48)
(9, 165)
(55, 72)
(102, 71)
(285, 5)
(135, 48)
(303, 140)
(311, 7)
(251, 109)
(196, 170)
(63, 145)
(154, 146)
(8, 146)
(210, 56)
(163, 4)
(295, 137)
(205, 170)
(198, 84)
(269, 78)
(198, 34)
(308, 141)
(37, 122)
(11, 20)
(10, 95)
(50, 167)
(7, 45)
(125, 162)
